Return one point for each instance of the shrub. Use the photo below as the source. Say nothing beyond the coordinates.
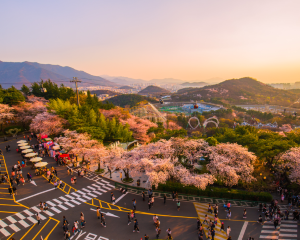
(215, 192)
(12, 127)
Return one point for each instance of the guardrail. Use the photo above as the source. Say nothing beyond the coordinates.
(194, 198)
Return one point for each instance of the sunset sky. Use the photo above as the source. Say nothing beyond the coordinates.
(189, 40)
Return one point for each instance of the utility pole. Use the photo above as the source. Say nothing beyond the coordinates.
(75, 80)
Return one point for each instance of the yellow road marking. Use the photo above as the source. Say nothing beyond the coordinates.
(65, 184)
(52, 228)
(10, 184)
(7, 199)
(10, 236)
(10, 205)
(8, 212)
(28, 231)
(41, 229)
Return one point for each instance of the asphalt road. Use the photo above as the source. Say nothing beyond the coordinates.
(182, 223)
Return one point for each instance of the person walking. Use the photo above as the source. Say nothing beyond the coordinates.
(228, 214)
(165, 199)
(158, 231)
(212, 234)
(143, 196)
(98, 212)
(173, 195)
(178, 205)
(76, 225)
(149, 205)
(38, 218)
(155, 218)
(209, 209)
(228, 231)
(29, 177)
(245, 213)
(134, 204)
(103, 223)
(136, 226)
(169, 232)
(128, 219)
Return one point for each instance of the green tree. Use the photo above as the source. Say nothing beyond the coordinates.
(25, 89)
(13, 96)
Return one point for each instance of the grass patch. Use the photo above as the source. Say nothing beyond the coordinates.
(127, 180)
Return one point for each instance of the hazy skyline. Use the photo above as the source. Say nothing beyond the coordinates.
(189, 40)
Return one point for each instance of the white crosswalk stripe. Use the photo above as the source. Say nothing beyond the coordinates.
(287, 229)
(26, 218)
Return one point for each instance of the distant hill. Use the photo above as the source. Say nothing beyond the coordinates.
(19, 73)
(110, 93)
(154, 90)
(239, 91)
(129, 99)
(126, 87)
(194, 84)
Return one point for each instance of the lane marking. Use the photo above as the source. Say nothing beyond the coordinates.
(28, 232)
(121, 197)
(41, 229)
(35, 194)
(53, 227)
(243, 230)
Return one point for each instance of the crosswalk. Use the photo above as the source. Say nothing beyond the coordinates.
(287, 230)
(201, 209)
(26, 218)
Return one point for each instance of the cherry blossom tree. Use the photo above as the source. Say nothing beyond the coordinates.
(231, 163)
(286, 128)
(290, 163)
(137, 125)
(6, 113)
(47, 123)
(25, 111)
(171, 125)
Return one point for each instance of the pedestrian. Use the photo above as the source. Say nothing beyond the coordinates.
(228, 231)
(152, 201)
(143, 196)
(259, 219)
(169, 232)
(68, 235)
(81, 216)
(146, 237)
(229, 214)
(38, 218)
(158, 231)
(155, 218)
(29, 177)
(209, 208)
(14, 190)
(209, 234)
(45, 206)
(228, 206)
(55, 184)
(150, 192)
(103, 223)
(121, 176)
(98, 212)
(113, 199)
(76, 225)
(149, 205)
(275, 223)
(136, 226)
(129, 218)
(10, 190)
(178, 205)
(212, 234)
(245, 214)
(134, 204)
(198, 223)
(41, 205)
(205, 219)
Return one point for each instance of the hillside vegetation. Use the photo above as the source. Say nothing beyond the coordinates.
(129, 99)
(240, 91)
(154, 90)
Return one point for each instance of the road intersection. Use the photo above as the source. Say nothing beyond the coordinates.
(93, 191)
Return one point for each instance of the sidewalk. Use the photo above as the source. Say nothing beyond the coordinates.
(115, 176)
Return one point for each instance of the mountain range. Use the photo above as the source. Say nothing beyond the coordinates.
(240, 91)
(128, 81)
(19, 73)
